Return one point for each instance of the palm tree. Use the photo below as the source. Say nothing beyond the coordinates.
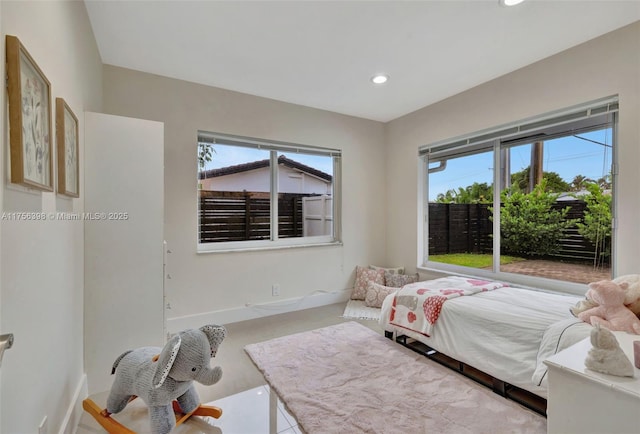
(580, 182)
(604, 182)
(474, 193)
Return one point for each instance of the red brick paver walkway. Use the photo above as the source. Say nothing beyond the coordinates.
(579, 273)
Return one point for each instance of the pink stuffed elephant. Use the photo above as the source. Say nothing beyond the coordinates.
(611, 311)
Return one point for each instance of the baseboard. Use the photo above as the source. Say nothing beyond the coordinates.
(74, 413)
(253, 311)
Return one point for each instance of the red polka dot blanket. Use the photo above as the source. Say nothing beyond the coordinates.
(417, 306)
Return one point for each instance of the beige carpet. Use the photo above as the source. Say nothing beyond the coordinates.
(346, 378)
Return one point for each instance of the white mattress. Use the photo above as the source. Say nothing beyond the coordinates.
(498, 332)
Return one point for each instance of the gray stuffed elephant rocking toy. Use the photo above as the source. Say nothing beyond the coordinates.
(158, 381)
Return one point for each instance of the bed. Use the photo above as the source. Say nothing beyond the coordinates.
(502, 331)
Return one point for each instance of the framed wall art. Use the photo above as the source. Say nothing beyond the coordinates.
(31, 150)
(67, 149)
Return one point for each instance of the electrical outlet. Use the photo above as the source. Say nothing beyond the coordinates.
(42, 428)
(275, 290)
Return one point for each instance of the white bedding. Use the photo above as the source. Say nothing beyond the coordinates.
(558, 336)
(500, 332)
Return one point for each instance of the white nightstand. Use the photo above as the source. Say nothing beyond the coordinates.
(583, 401)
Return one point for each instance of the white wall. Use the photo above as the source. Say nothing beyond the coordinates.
(42, 262)
(123, 252)
(608, 65)
(215, 282)
(253, 180)
(289, 181)
(295, 181)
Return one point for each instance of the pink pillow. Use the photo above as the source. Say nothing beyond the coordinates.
(363, 276)
(377, 293)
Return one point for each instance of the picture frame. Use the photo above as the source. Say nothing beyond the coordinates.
(30, 137)
(67, 148)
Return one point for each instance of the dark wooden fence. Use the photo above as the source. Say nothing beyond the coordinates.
(459, 228)
(241, 216)
(466, 228)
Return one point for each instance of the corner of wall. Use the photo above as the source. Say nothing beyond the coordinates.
(74, 413)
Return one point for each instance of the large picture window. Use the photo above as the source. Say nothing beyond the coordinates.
(532, 200)
(260, 194)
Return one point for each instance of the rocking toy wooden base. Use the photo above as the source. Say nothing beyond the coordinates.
(112, 426)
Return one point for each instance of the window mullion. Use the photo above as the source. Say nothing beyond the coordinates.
(274, 194)
(497, 190)
(337, 199)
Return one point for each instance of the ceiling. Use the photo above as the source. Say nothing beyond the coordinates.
(322, 54)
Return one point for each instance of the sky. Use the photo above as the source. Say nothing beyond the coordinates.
(567, 156)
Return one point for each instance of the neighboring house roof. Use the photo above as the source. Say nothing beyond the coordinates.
(577, 195)
(238, 168)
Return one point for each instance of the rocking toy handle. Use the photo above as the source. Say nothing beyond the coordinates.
(6, 342)
(108, 423)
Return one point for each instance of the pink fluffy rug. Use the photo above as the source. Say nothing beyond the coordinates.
(348, 379)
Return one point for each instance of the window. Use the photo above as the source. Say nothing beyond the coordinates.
(261, 194)
(532, 199)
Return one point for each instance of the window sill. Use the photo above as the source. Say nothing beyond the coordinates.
(201, 250)
(520, 280)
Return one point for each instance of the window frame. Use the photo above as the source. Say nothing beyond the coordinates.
(499, 138)
(274, 242)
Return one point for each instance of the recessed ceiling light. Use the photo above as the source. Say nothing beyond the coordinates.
(510, 2)
(380, 78)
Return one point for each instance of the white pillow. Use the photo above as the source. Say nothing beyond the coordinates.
(391, 270)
